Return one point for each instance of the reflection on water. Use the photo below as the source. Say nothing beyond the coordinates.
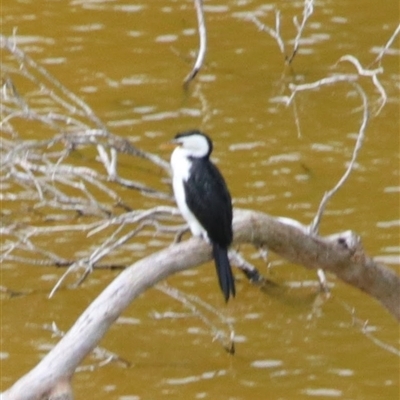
(128, 61)
(190, 379)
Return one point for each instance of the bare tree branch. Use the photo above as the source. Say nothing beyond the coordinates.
(203, 43)
(360, 138)
(275, 33)
(307, 12)
(195, 304)
(342, 255)
(76, 127)
(369, 73)
(387, 45)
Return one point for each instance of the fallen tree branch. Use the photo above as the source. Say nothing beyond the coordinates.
(341, 254)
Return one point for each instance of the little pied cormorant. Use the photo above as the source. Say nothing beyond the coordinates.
(204, 200)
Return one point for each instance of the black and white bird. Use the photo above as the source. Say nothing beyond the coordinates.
(204, 200)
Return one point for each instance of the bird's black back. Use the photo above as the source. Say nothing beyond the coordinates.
(208, 198)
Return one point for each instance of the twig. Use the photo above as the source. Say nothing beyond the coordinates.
(135, 217)
(360, 138)
(71, 268)
(26, 60)
(317, 84)
(192, 302)
(386, 47)
(365, 330)
(274, 33)
(369, 73)
(106, 356)
(142, 217)
(307, 12)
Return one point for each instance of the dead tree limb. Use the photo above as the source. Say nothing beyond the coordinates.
(342, 255)
(308, 9)
(203, 43)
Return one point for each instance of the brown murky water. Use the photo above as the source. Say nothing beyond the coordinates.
(128, 62)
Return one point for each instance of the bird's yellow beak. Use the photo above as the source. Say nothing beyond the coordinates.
(172, 144)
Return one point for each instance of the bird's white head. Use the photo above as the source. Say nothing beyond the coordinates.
(194, 144)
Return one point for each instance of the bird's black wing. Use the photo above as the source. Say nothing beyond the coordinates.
(208, 198)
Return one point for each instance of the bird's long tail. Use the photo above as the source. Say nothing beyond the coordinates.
(224, 271)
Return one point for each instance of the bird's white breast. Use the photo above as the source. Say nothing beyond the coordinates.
(181, 172)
